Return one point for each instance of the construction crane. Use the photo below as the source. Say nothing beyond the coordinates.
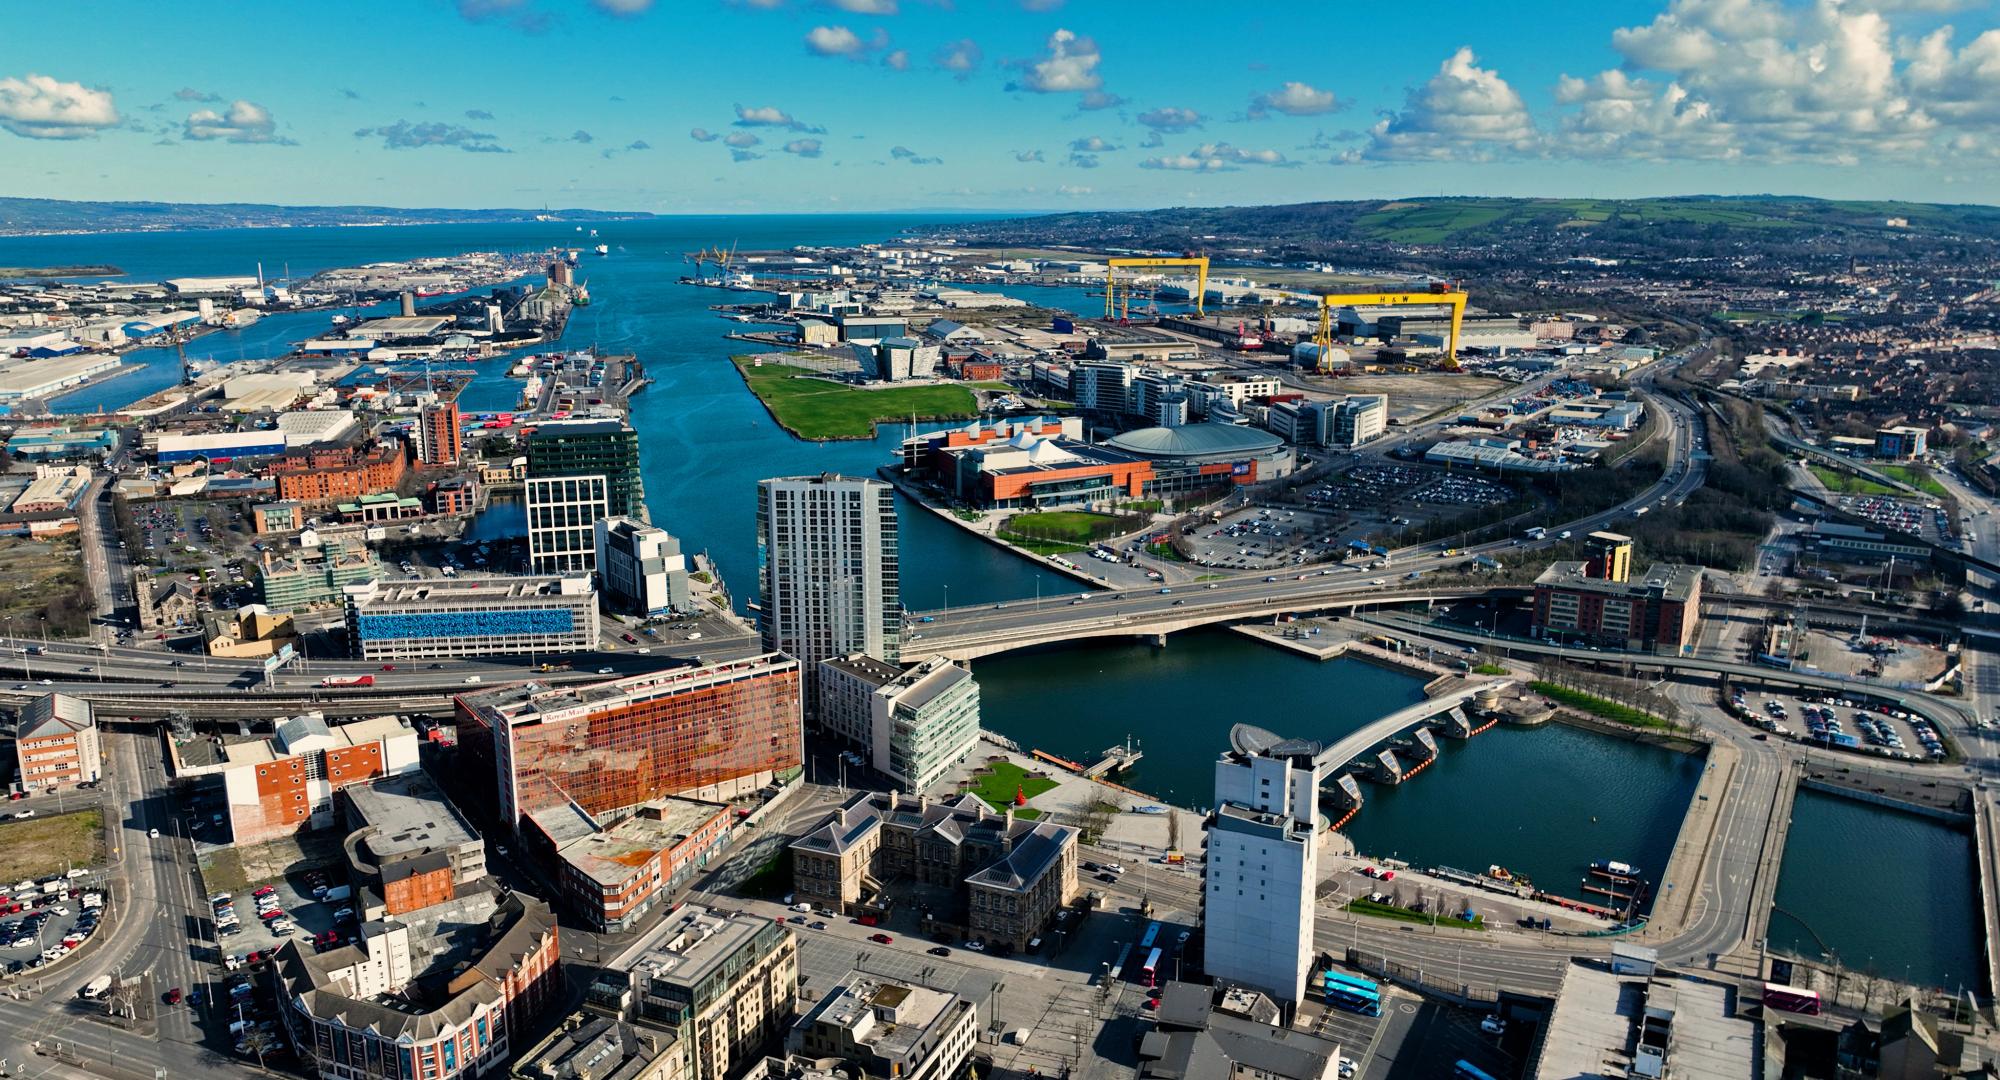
(1439, 294)
(1116, 305)
(715, 255)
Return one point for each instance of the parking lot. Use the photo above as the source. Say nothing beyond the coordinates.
(1926, 520)
(1855, 725)
(1263, 538)
(48, 919)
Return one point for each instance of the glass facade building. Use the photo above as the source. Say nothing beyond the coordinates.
(714, 732)
(592, 447)
(830, 569)
(471, 616)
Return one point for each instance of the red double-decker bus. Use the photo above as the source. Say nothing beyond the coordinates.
(1791, 999)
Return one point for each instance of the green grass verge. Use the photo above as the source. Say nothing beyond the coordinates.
(1036, 546)
(41, 846)
(1003, 779)
(1849, 485)
(1068, 526)
(1599, 707)
(816, 409)
(1489, 669)
(1916, 477)
(1363, 906)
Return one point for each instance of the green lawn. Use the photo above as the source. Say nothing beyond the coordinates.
(813, 408)
(1362, 906)
(1597, 706)
(1074, 527)
(1003, 779)
(1849, 485)
(1489, 669)
(1916, 477)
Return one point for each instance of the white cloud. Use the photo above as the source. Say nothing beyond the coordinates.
(742, 140)
(904, 153)
(42, 107)
(243, 122)
(898, 60)
(623, 8)
(840, 41)
(1186, 163)
(1293, 99)
(1092, 144)
(1069, 66)
(1027, 156)
(960, 57)
(1463, 112)
(1075, 190)
(772, 116)
(1081, 160)
(1094, 100)
(1761, 79)
(1237, 155)
(703, 135)
(1169, 118)
(866, 7)
(803, 147)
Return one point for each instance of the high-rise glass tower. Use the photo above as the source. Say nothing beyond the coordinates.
(826, 549)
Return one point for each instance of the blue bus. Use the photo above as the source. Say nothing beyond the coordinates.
(1152, 935)
(1466, 1070)
(1332, 977)
(1362, 998)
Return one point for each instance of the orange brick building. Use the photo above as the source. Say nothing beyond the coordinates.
(284, 784)
(330, 474)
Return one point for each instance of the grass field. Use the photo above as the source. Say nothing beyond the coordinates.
(1002, 780)
(1599, 707)
(1849, 485)
(1067, 526)
(816, 409)
(1920, 479)
(1362, 906)
(41, 846)
(45, 584)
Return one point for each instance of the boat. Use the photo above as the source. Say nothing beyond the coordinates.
(593, 234)
(602, 249)
(570, 256)
(340, 320)
(1613, 869)
(1150, 810)
(582, 297)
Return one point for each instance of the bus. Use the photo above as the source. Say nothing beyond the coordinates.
(1118, 965)
(1466, 1070)
(1363, 998)
(1332, 977)
(1791, 999)
(1152, 968)
(1152, 935)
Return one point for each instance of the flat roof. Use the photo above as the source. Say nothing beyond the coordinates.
(441, 590)
(410, 814)
(1673, 581)
(1592, 1028)
(608, 857)
(690, 943)
(533, 702)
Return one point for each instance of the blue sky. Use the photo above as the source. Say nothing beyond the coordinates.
(678, 106)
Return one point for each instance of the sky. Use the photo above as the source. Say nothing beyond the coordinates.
(734, 106)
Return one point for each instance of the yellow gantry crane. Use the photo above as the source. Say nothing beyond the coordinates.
(1439, 294)
(1117, 303)
(716, 255)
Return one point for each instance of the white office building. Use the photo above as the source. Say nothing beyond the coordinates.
(1356, 419)
(563, 512)
(642, 567)
(910, 724)
(826, 549)
(1263, 851)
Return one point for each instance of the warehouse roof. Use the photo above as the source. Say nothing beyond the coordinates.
(1192, 439)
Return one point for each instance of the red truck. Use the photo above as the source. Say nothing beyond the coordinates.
(348, 680)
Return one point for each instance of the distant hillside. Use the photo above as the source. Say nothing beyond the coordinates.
(23, 216)
(1606, 226)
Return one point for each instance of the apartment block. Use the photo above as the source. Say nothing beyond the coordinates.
(911, 725)
(56, 743)
(284, 783)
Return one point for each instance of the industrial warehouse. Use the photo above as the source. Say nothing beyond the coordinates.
(1045, 463)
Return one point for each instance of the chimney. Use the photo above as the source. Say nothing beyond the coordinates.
(895, 800)
(409, 303)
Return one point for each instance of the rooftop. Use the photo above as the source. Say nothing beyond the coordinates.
(54, 714)
(890, 1019)
(465, 590)
(610, 856)
(1670, 581)
(1189, 439)
(600, 1048)
(533, 702)
(1192, 1040)
(690, 944)
(1592, 1031)
(409, 814)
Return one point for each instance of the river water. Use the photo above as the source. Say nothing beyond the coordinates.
(1886, 891)
(1542, 802)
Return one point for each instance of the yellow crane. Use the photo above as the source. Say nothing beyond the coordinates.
(715, 255)
(1439, 294)
(1117, 304)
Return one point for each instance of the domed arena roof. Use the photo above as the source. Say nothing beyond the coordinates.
(1195, 440)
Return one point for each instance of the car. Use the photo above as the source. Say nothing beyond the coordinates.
(177, 663)
(604, 671)
(1492, 1025)
(816, 925)
(938, 950)
(976, 945)
(271, 913)
(263, 890)
(881, 939)
(1183, 937)
(25, 814)
(343, 913)
(799, 919)
(153, 834)
(388, 667)
(174, 996)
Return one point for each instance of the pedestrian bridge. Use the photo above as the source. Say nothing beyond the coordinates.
(1395, 758)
